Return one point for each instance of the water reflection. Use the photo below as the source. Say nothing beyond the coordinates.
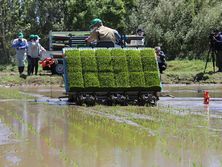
(62, 136)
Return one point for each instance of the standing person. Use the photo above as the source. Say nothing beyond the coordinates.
(42, 49)
(102, 34)
(29, 58)
(218, 49)
(34, 51)
(20, 44)
(161, 59)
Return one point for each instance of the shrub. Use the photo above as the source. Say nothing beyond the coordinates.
(104, 60)
(106, 79)
(119, 61)
(134, 60)
(149, 61)
(88, 61)
(136, 79)
(91, 80)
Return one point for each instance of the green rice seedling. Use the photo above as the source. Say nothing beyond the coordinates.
(106, 80)
(148, 57)
(88, 60)
(119, 61)
(134, 60)
(151, 79)
(104, 60)
(75, 80)
(122, 79)
(136, 79)
(91, 80)
(73, 60)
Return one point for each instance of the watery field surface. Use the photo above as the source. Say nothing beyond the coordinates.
(44, 131)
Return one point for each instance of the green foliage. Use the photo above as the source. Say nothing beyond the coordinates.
(106, 80)
(104, 60)
(88, 60)
(148, 57)
(119, 60)
(134, 60)
(181, 27)
(91, 80)
(136, 79)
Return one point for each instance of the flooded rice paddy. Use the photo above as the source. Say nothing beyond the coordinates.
(37, 129)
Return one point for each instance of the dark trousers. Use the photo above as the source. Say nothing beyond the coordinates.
(162, 66)
(34, 65)
(219, 59)
(29, 59)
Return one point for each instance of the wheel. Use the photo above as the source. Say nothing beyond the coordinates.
(59, 68)
(79, 100)
(90, 100)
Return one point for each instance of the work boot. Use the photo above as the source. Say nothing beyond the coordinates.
(22, 69)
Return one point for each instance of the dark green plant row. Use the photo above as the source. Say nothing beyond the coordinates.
(112, 68)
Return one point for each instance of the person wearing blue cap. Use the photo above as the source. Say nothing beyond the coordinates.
(101, 33)
(20, 44)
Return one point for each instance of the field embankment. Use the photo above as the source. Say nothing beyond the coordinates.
(190, 72)
(178, 72)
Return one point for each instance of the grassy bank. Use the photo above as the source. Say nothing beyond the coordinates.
(190, 71)
(178, 72)
(9, 77)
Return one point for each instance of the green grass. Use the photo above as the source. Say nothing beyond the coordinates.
(190, 71)
(11, 93)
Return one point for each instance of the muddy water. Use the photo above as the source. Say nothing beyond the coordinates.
(34, 133)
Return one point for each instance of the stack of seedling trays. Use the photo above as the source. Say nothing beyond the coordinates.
(105, 73)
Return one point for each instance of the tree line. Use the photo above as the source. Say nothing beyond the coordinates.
(181, 27)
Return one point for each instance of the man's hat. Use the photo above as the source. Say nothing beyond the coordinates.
(20, 35)
(95, 21)
(36, 37)
(32, 36)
